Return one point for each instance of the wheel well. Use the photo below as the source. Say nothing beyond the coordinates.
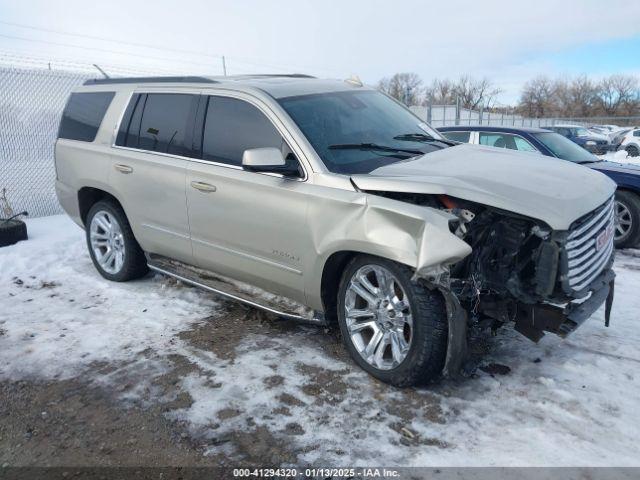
(89, 196)
(629, 190)
(331, 274)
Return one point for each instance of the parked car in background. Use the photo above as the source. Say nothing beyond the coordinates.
(631, 142)
(618, 136)
(595, 143)
(339, 199)
(604, 129)
(551, 144)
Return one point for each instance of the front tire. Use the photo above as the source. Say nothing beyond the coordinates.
(393, 327)
(627, 211)
(114, 250)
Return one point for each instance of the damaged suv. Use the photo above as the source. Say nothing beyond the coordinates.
(329, 202)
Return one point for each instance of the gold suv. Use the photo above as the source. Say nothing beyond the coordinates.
(329, 202)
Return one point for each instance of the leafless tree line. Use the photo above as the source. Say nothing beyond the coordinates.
(470, 92)
(616, 95)
(613, 96)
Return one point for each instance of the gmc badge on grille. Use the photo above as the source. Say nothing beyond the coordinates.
(602, 240)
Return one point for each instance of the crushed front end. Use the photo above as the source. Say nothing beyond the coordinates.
(522, 271)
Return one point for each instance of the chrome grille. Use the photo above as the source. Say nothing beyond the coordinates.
(586, 259)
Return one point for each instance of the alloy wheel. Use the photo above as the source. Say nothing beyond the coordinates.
(624, 221)
(378, 317)
(107, 242)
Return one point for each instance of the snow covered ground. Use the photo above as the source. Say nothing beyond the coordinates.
(621, 156)
(563, 403)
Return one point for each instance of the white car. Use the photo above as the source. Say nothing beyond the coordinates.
(631, 142)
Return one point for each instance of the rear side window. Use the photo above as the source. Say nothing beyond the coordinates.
(159, 122)
(233, 126)
(506, 140)
(83, 115)
(458, 136)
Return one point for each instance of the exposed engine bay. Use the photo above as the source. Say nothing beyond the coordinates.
(522, 271)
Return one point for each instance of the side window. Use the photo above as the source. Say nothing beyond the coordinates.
(498, 140)
(458, 136)
(233, 126)
(523, 145)
(636, 133)
(83, 115)
(505, 140)
(166, 123)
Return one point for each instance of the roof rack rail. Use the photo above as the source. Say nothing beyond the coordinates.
(187, 79)
(274, 75)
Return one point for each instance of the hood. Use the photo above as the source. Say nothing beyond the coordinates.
(533, 185)
(606, 166)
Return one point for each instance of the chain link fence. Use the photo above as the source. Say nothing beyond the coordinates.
(450, 115)
(31, 103)
(33, 93)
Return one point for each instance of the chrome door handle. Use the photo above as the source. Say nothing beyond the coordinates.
(123, 168)
(203, 187)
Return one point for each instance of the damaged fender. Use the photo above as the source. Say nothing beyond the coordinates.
(417, 236)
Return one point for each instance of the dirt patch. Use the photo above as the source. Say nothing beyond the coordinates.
(293, 428)
(409, 437)
(227, 413)
(261, 447)
(416, 404)
(70, 423)
(326, 386)
(494, 369)
(223, 333)
(273, 381)
(290, 400)
(43, 284)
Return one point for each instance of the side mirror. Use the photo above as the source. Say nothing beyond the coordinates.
(270, 160)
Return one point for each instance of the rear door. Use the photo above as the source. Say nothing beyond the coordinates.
(149, 169)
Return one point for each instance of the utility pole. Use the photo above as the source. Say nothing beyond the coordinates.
(224, 66)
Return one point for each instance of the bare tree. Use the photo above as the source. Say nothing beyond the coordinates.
(440, 92)
(406, 87)
(538, 98)
(473, 93)
(618, 95)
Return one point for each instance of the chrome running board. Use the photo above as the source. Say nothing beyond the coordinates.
(237, 291)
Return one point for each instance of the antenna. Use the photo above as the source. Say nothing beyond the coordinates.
(101, 71)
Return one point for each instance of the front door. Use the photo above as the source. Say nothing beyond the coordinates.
(245, 225)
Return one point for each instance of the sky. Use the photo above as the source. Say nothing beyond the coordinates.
(507, 41)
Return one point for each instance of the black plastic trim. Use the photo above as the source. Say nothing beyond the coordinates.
(110, 81)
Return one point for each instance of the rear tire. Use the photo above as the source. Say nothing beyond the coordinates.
(627, 210)
(633, 151)
(114, 250)
(404, 355)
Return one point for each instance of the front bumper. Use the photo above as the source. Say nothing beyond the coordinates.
(533, 320)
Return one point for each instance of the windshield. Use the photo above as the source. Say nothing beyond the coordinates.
(582, 132)
(564, 148)
(359, 131)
